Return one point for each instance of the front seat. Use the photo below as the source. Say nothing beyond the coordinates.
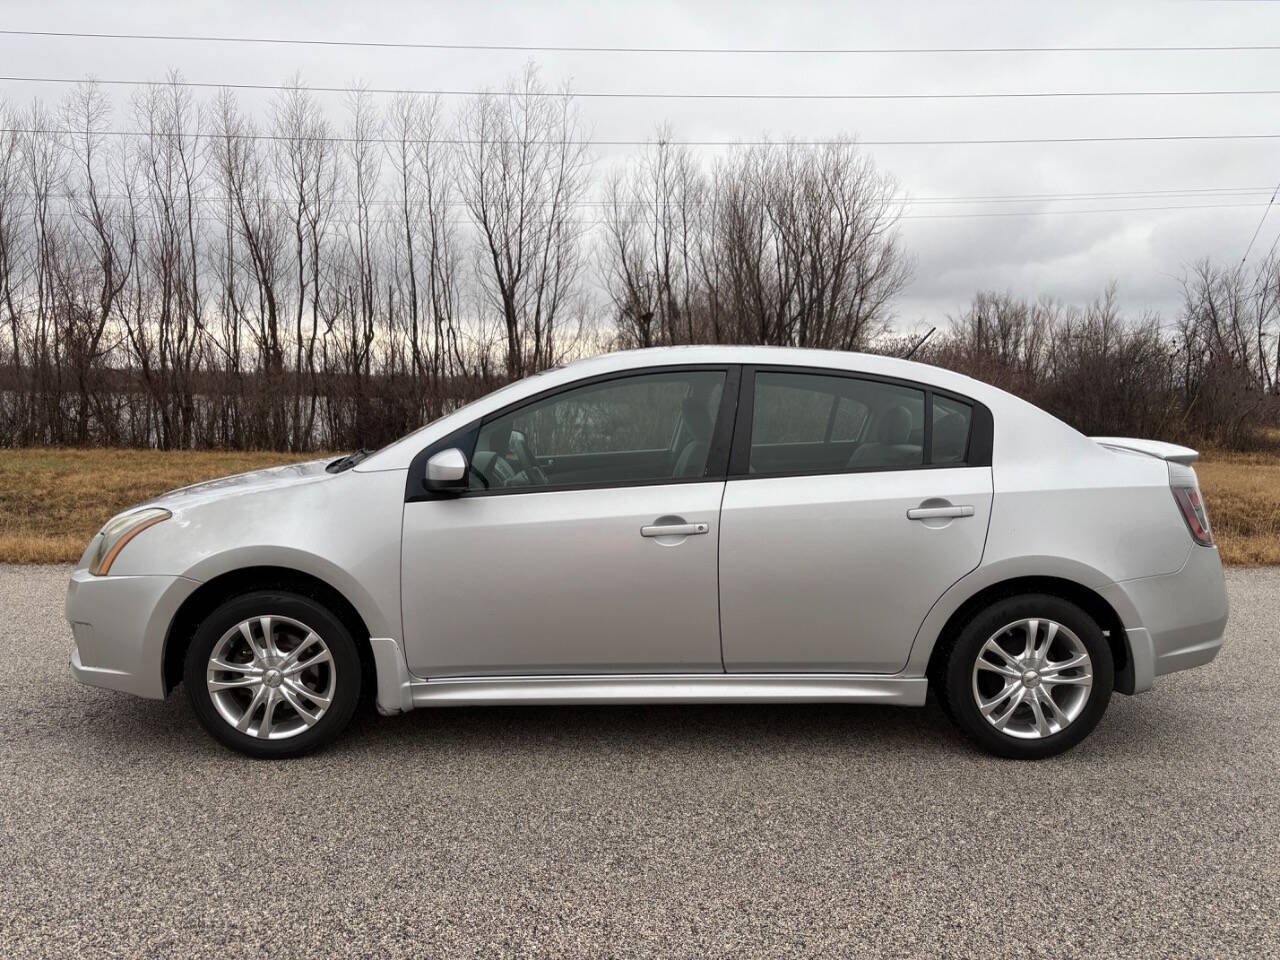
(691, 461)
(890, 448)
(489, 461)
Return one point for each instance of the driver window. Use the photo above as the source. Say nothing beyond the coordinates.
(649, 428)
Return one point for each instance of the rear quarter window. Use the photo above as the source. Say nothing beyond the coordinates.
(952, 422)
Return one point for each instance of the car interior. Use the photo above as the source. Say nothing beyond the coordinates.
(806, 423)
(656, 427)
(660, 427)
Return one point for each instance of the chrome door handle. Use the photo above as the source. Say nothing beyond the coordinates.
(673, 529)
(939, 513)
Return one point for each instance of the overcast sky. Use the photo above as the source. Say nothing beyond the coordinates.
(1067, 256)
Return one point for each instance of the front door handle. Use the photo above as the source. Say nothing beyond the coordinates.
(939, 513)
(673, 529)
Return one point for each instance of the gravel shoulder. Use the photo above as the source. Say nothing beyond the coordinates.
(625, 831)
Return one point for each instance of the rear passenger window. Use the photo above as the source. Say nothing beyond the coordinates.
(951, 420)
(849, 420)
(791, 409)
(808, 423)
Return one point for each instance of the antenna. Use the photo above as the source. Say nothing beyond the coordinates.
(919, 343)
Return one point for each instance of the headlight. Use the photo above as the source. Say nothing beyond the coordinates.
(111, 539)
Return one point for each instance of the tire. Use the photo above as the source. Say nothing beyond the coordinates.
(274, 698)
(1078, 690)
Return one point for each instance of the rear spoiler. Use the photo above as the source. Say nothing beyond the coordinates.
(1153, 448)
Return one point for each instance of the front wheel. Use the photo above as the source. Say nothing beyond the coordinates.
(1028, 677)
(273, 674)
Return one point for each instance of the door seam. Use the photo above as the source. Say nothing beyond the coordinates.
(724, 487)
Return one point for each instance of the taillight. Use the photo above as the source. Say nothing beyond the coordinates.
(1186, 491)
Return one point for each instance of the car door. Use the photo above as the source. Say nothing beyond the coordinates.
(587, 542)
(853, 503)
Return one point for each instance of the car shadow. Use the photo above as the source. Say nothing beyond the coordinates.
(120, 722)
(659, 728)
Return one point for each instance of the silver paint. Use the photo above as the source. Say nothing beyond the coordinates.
(808, 580)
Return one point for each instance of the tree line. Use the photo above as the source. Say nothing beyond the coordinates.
(217, 277)
(1213, 376)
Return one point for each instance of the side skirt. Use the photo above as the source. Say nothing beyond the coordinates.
(398, 690)
(670, 688)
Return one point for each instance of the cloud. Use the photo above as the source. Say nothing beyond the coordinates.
(1066, 256)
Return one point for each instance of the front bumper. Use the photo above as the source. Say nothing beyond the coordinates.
(1173, 622)
(120, 624)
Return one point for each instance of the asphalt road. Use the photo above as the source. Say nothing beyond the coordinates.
(660, 831)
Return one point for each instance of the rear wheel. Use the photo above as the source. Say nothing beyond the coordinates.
(273, 674)
(1028, 677)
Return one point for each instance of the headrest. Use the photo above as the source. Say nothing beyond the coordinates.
(895, 425)
(497, 436)
(697, 417)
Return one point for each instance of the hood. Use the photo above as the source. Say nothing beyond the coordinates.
(255, 481)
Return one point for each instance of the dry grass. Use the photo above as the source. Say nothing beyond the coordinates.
(53, 500)
(1242, 493)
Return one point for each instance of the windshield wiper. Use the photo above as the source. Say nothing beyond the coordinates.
(347, 462)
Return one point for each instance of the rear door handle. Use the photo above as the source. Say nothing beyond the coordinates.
(673, 529)
(939, 513)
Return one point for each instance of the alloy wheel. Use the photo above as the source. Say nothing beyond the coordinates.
(1032, 678)
(271, 677)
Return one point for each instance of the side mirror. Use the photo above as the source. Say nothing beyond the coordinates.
(447, 471)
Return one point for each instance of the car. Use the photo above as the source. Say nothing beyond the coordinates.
(701, 524)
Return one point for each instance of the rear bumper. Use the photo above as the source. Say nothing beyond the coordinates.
(1173, 622)
(120, 625)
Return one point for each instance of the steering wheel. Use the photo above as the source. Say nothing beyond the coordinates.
(524, 456)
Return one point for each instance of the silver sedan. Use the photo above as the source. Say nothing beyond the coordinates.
(693, 525)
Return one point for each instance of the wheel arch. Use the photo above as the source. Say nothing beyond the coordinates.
(961, 609)
(213, 592)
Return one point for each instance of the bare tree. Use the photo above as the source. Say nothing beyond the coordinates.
(781, 244)
(44, 164)
(254, 263)
(306, 173)
(804, 247)
(108, 240)
(653, 227)
(1002, 339)
(203, 283)
(524, 169)
(1230, 317)
(163, 314)
(425, 192)
(14, 268)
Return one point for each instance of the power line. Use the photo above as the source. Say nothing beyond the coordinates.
(1270, 253)
(595, 222)
(1261, 221)
(575, 142)
(630, 95)
(1037, 213)
(563, 48)
(1207, 193)
(1092, 195)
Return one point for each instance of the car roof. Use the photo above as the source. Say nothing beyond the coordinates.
(763, 356)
